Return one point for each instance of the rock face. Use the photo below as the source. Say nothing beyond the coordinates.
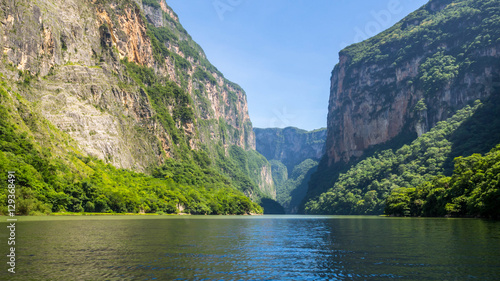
(72, 52)
(293, 154)
(411, 76)
(290, 145)
(266, 184)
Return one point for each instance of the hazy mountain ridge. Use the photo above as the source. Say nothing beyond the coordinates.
(293, 154)
(290, 145)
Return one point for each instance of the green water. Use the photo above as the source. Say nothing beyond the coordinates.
(252, 248)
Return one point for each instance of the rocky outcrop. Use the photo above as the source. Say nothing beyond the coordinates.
(292, 153)
(155, 16)
(66, 56)
(266, 184)
(58, 48)
(408, 78)
(290, 145)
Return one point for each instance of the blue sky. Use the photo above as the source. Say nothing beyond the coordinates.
(282, 52)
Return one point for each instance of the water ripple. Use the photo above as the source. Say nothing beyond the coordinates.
(275, 248)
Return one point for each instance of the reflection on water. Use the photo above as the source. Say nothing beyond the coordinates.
(254, 248)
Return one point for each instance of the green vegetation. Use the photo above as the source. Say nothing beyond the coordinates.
(290, 190)
(152, 3)
(365, 186)
(427, 29)
(280, 176)
(473, 190)
(478, 134)
(447, 40)
(436, 71)
(158, 37)
(202, 75)
(189, 51)
(250, 162)
(164, 94)
(51, 178)
(64, 47)
(164, 34)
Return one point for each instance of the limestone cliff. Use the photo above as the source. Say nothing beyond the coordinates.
(123, 79)
(266, 183)
(413, 75)
(290, 145)
(293, 154)
(253, 164)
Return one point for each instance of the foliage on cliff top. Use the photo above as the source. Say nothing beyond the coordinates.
(437, 22)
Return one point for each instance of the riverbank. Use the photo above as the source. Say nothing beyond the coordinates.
(127, 214)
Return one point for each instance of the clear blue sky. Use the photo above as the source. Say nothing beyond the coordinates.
(282, 52)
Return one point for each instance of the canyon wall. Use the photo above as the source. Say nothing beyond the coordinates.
(411, 76)
(290, 145)
(124, 80)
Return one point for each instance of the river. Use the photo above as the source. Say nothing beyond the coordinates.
(252, 248)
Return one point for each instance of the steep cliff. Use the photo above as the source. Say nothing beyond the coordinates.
(390, 177)
(413, 75)
(74, 48)
(290, 145)
(126, 82)
(291, 187)
(293, 154)
(256, 167)
(390, 96)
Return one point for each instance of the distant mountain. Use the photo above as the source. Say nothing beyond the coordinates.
(293, 154)
(290, 145)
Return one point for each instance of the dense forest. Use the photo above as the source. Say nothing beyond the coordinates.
(291, 188)
(184, 152)
(385, 177)
(438, 59)
(48, 182)
(473, 191)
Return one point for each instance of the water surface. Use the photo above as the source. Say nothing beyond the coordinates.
(253, 248)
